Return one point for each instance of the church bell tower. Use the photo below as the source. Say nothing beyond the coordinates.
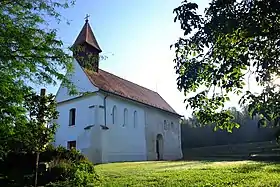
(86, 49)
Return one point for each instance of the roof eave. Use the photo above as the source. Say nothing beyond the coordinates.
(174, 113)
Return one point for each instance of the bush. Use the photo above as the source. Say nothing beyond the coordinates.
(61, 153)
(66, 173)
(63, 167)
(85, 174)
(18, 168)
(59, 170)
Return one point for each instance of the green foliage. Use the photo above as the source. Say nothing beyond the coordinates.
(11, 94)
(65, 172)
(195, 134)
(85, 175)
(64, 167)
(231, 40)
(60, 170)
(30, 53)
(38, 131)
(238, 117)
(87, 57)
(30, 49)
(23, 160)
(18, 168)
(61, 153)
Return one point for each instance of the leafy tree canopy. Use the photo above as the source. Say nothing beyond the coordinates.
(30, 53)
(233, 38)
(38, 131)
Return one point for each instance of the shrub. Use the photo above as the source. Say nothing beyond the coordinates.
(66, 173)
(61, 153)
(63, 167)
(85, 174)
(18, 167)
(59, 170)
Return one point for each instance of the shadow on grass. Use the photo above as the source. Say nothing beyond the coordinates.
(213, 159)
(255, 166)
(274, 159)
(249, 168)
(197, 161)
(178, 165)
(261, 166)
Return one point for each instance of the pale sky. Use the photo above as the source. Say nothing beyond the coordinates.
(136, 36)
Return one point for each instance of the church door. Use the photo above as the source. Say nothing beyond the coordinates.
(159, 147)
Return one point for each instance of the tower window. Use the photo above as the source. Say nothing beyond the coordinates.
(72, 117)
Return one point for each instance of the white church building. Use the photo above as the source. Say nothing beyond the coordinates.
(117, 120)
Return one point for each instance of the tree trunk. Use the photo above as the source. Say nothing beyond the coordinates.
(42, 94)
(36, 170)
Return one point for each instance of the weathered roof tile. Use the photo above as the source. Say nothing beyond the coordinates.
(116, 85)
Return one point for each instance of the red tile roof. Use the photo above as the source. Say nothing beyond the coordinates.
(116, 85)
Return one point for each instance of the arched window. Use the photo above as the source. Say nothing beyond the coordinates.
(135, 119)
(72, 116)
(114, 115)
(125, 116)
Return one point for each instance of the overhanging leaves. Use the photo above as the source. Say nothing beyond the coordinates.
(233, 38)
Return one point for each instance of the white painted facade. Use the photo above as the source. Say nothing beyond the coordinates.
(158, 122)
(79, 79)
(110, 128)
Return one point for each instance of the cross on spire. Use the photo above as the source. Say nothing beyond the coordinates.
(87, 16)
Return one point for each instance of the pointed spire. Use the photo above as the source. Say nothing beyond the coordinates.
(86, 49)
(86, 36)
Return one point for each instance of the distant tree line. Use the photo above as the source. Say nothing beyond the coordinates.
(196, 135)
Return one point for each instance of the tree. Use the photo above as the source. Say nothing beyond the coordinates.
(30, 53)
(34, 135)
(219, 49)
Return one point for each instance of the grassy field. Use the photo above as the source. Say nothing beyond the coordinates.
(190, 173)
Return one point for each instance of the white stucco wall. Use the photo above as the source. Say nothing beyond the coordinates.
(88, 141)
(171, 136)
(80, 81)
(123, 143)
(118, 142)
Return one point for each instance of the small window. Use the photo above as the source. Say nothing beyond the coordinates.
(135, 119)
(71, 145)
(114, 115)
(72, 117)
(125, 115)
(172, 126)
(165, 125)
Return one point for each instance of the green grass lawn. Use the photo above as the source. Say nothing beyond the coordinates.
(190, 173)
